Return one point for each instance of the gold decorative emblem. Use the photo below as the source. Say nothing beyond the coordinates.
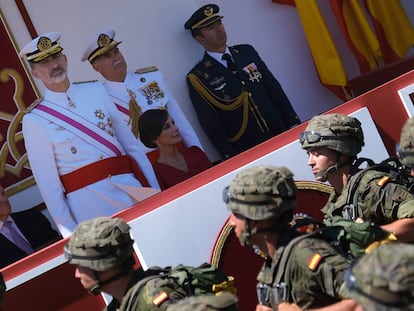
(99, 114)
(103, 40)
(44, 43)
(208, 11)
(105, 126)
(254, 74)
(152, 91)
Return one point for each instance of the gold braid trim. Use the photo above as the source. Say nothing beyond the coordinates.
(231, 104)
(258, 116)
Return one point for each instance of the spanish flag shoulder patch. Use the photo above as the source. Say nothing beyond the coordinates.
(314, 261)
(383, 181)
(160, 298)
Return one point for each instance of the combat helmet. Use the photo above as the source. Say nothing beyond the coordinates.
(405, 149)
(100, 244)
(383, 280)
(261, 192)
(334, 131)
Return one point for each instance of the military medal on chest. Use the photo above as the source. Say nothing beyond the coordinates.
(152, 92)
(254, 74)
(106, 126)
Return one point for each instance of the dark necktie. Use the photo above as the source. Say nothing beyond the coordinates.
(19, 241)
(230, 64)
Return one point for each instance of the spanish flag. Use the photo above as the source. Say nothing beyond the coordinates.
(358, 34)
(394, 30)
(325, 56)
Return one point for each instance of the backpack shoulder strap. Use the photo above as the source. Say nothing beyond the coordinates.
(354, 182)
(284, 266)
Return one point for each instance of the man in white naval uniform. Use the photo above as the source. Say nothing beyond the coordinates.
(135, 92)
(83, 157)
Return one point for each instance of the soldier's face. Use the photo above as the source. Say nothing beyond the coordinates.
(111, 65)
(170, 135)
(213, 37)
(85, 276)
(237, 223)
(319, 159)
(51, 70)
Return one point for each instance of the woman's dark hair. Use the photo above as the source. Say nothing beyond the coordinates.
(150, 125)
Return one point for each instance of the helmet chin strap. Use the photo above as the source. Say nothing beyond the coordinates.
(323, 176)
(96, 289)
(247, 232)
(245, 235)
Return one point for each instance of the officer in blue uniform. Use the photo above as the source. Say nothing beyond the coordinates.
(238, 101)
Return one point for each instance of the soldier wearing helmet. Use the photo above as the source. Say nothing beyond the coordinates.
(340, 134)
(298, 269)
(102, 250)
(405, 149)
(383, 280)
(333, 142)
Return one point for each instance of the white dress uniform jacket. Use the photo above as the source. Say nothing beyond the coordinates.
(151, 93)
(54, 151)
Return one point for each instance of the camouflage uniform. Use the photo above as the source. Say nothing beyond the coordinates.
(405, 148)
(380, 198)
(378, 202)
(312, 272)
(224, 302)
(105, 244)
(102, 244)
(383, 280)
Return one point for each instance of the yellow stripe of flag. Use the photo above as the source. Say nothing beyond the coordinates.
(321, 45)
(160, 298)
(383, 181)
(314, 261)
(397, 27)
(361, 33)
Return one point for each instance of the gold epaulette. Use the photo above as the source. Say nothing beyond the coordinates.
(33, 105)
(146, 69)
(81, 82)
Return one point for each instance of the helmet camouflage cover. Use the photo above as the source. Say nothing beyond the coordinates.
(338, 132)
(100, 244)
(384, 278)
(406, 147)
(261, 192)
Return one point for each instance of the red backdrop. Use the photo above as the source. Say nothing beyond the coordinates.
(17, 92)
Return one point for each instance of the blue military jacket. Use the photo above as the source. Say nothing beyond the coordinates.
(220, 98)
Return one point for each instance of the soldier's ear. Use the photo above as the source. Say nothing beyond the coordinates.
(200, 39)
(95, 65)
(34, 73)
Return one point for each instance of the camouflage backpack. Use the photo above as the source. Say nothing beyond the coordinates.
(168, 285)
(364, 188)
(349, 238)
